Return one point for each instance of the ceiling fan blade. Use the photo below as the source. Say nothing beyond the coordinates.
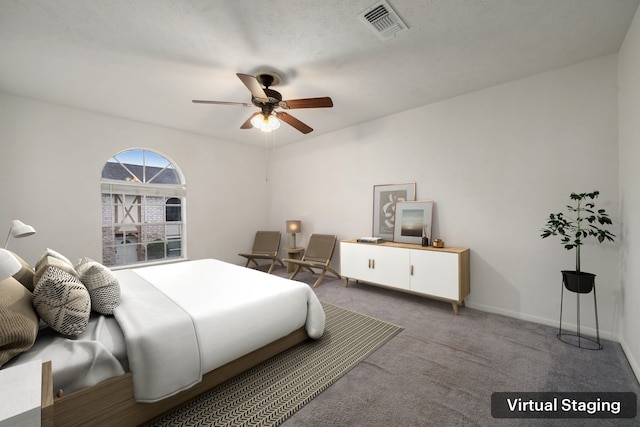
(325, 102)
(253, 85)
(292, 121)
(199, 101)
(247, 124)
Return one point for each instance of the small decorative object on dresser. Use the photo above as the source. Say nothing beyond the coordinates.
(438, 243)
(438, 273)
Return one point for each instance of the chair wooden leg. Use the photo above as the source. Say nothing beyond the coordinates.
(335, 273)
(295, 272)
(273, 264)
(324, 272)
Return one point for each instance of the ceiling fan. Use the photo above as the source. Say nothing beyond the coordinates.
(267, 100)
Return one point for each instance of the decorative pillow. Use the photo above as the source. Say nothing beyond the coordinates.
(62, 302)
(49, 261)
(102, 284)
(26, 273)
(54, 254)
(18, 320)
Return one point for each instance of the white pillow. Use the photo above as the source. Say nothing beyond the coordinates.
(55, 254)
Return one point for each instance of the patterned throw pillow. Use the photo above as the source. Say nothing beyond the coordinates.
(18, 320)
(49, 261)
(102, 284)
(62, 302)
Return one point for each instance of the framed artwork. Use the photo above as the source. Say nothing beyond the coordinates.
(385, 198)
(412, 218)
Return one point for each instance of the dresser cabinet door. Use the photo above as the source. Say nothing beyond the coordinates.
(435, 273)
(390, 266)
(355, 261)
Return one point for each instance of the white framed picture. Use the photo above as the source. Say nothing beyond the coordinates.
(413, 219)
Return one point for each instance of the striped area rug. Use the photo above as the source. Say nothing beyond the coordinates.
(273, 391)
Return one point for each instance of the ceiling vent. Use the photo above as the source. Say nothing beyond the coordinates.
(383, 20)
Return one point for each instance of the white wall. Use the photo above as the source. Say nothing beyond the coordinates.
(496, 162)
(629, 98)
(51, 158)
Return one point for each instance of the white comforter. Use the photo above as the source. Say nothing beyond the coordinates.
(82, 361)
(185, 319)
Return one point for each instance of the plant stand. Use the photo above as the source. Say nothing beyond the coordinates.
(579, 283)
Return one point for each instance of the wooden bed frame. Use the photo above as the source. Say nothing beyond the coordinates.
(111, 401)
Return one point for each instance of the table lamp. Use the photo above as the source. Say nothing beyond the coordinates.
(294, 226)
(9, 265)
(19, 229)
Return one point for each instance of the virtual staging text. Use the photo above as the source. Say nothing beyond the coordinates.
(563, 405)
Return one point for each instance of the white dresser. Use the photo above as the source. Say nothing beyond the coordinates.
(441, 273)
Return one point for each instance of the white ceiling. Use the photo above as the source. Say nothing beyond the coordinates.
(147, 59)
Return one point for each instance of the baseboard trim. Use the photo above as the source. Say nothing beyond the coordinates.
(544, 321)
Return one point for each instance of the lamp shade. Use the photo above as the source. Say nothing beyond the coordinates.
(294, 226)
(9, 265)
(19, 229)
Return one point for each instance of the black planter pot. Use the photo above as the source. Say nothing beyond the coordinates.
(579, 282)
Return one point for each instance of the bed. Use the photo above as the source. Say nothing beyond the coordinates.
(179, 330)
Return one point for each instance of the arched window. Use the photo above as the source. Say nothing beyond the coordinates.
(143, 197)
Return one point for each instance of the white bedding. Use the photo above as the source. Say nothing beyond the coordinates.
(99, 353)
(197, 316)
(185, 319)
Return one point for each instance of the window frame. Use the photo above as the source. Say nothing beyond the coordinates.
(144, 198)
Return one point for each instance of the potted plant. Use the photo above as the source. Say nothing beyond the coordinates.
(582, 222)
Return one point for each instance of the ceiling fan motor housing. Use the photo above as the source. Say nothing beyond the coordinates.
(274, 98)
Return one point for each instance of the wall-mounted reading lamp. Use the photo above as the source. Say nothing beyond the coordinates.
(19, 229)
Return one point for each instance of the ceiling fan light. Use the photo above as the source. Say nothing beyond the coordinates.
(273, 123)
(265, 124)
(257, 120)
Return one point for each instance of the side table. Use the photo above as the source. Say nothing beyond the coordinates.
(20, 393)
(293, 253)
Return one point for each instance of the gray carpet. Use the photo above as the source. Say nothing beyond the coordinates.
(273, 391)
(442, 369)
